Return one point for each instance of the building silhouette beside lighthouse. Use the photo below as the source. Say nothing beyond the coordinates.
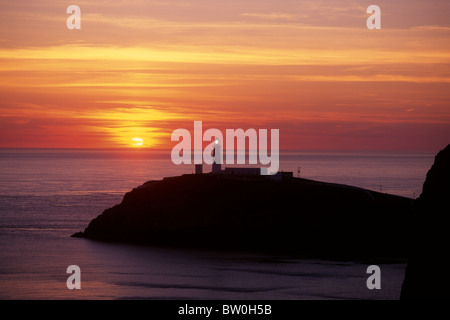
(237, 171)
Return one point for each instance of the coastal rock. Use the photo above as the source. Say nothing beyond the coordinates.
(426, 273)
(256, 213)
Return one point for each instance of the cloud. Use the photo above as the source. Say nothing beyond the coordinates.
(21, 122)
(270, 16)
(143, 68)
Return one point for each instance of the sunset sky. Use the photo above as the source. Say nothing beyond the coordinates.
(143, 68)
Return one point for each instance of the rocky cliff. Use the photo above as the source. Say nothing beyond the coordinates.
(429, 237)
(225, 212)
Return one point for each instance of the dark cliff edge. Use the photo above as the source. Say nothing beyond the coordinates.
(303, 217)
(426, 275)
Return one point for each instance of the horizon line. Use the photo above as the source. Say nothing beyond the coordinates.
(148, 149)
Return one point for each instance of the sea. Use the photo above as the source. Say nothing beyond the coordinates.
(46, 195)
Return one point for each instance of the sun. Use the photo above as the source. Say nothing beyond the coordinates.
(137, 142)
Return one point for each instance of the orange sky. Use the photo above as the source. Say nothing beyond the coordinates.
(145, 68)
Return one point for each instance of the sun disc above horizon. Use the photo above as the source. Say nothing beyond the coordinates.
(137, 142)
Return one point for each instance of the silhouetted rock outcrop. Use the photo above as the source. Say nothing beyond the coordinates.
(292, 215)
(428, 265)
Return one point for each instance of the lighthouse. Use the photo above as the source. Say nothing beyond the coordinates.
(217, 158)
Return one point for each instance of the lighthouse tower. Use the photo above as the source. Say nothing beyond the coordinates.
(217, 158)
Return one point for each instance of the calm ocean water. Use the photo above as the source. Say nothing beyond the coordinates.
(47, 195)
